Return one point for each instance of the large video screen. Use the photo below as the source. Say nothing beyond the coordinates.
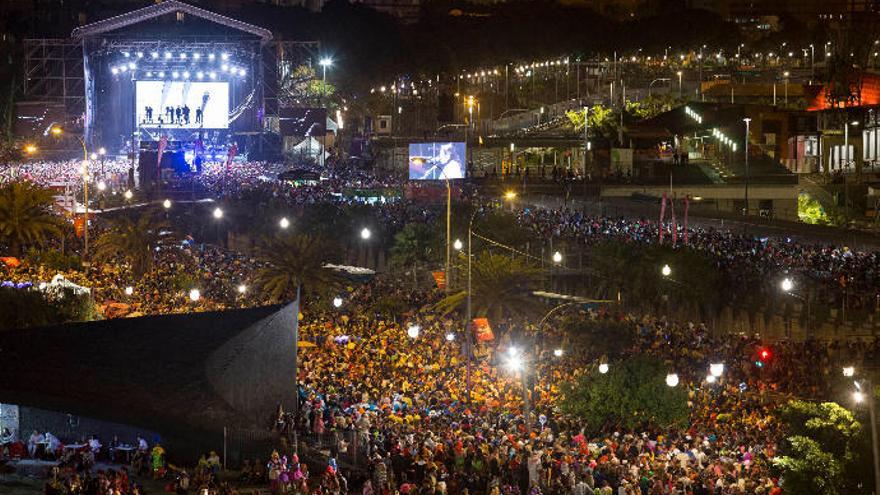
(437, 161)
(182, 104)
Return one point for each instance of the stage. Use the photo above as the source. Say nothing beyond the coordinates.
(200, 82)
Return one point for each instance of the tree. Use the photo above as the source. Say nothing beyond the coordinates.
(132, 240)
(826, 452)
(299, 86)
(634, 270)
(27, 308)
(416, 243)
(26, 216)
(295, 261)
(602, 121)
(633, 393)
(502, 288)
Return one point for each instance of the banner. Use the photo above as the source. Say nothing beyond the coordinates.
(662, 215)
(79, 225)
(687, 205)
(440, 279)
(482, 330)
(674, 224)
(163, 143)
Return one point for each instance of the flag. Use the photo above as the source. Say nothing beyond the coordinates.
(482, 330)
(687, 204)
(662, 215)
(440, 278)
(674, 224)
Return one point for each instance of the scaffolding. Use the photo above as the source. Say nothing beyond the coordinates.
(54, 73)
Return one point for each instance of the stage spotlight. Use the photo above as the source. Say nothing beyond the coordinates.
(149, 73)
(155, 54)
(242, 72)
(197, 56)
(200, 74)
(132, 66)
(225, 67)
(186, 74)
(167, 55)
(175, 74)
(161, 73)
(211, 56)
(182, 56)
(213, 75)
(123, 68)
(125, 54)
(224, 56)
(140, 54)
(114, 70)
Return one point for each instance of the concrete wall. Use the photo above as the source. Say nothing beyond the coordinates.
(725, 198)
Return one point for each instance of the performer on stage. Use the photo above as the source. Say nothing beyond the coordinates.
(447, 165)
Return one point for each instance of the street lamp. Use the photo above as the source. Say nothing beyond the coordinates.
(457, 245)
(284, 223)
(365, 233)
(849, 371)
(30, 149)
(787, 285)
(786, 74)
(557, 257)
(557, 352)
(666, 271)
(510, 195)
(859, 396)
(194, 295)
(672, 379)
(337, 302)
(129, 290)
(166, 204)
(242, 288)
(324, 63)
(413, 331)
(603, 368)
(128, 194)
(716, 369)
(450, 337)
(679, 83)
(102, 186)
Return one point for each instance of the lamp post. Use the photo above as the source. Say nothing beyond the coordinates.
(469, 337)
(786, 74)
(679, 83)
(787, 286)
(846, 165)
(57, 131)
(324, 62)
(102, 152)
(746, 149)
(859, 396)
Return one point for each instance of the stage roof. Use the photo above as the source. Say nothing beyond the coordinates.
(165, 8)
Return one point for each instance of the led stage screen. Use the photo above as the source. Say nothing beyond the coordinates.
(436, 161)
(182, 104)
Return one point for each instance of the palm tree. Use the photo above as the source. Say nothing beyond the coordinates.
(132, 240)
(26, 215)
(295, 261)
(502, 288)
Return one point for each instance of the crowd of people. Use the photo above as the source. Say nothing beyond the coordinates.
(422, 418)
(372, 390)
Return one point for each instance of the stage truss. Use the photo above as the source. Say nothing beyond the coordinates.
(54, 74)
